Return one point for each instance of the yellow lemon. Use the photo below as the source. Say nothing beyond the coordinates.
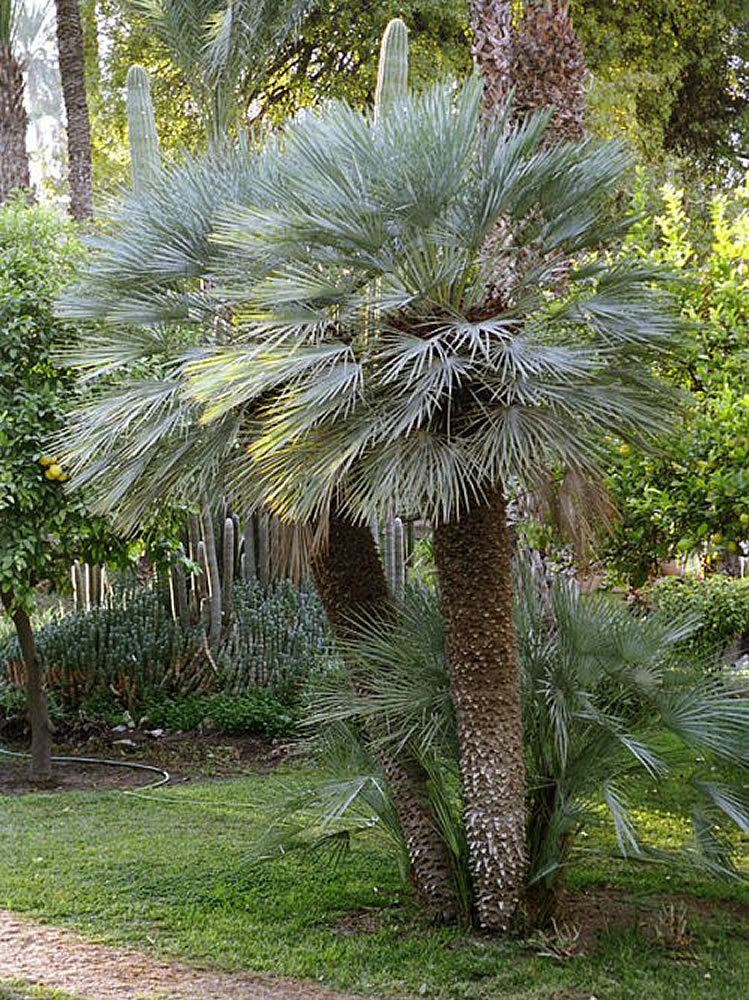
(625, 450)
(54, 472)
(47, 460)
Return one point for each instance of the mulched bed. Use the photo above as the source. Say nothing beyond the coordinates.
(186, 756)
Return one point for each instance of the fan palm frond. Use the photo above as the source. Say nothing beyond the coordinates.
(602, 688)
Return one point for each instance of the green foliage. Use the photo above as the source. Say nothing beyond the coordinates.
(693, 494)
(255, 713)
(720, 603)
(41, 528)
(133, 651)
(669, 74)
(306, 271)
(605, 704)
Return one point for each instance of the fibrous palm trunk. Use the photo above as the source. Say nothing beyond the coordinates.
(41, 731)
(537, 55)
(73, 76)
(474, 563)
(351, 582)
(14, 161)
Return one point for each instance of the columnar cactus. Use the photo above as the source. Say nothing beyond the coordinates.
(145, 154)
(392, 73)
(227, 582)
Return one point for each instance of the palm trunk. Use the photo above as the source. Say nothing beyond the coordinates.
(73, 76)
(474, 562)
(14, 161)
(41, 730)
(537, 55)
(351, 581)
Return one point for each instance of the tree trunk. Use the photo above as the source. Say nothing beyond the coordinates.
(474, 563)
(350, 579)
(537, 56)
(41, 730)
(14, 161)
(73, 76)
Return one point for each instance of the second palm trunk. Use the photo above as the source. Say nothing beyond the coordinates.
(351, 582)
(474, 562)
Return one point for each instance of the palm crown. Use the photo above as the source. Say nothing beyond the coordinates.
(400, 321)
(418, 305)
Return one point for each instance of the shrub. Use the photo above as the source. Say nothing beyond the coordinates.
(127, 649)
(605, 705)
(256, 713)
(135, 653)
(720, 603)
(279, 636)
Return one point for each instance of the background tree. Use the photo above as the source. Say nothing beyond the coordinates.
(41, 529)
(14, 161)
(691, 496)
(78, 127)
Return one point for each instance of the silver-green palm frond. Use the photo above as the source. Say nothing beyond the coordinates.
(137, 437)
(396, 289)
(605, 703)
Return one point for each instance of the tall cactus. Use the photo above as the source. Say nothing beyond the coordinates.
(145, 154)
(392, 72)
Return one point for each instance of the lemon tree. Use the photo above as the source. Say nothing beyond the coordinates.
(41, 527)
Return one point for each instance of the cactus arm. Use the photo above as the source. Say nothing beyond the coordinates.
(392, 72)
(145, 154)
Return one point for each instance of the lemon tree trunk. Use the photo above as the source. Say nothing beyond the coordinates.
(41, 731)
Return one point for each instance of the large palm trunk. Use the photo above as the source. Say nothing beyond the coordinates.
(351, 581)
(14, 161)
(537, 55)
(41, 731)
(474, 562)
(73, 76)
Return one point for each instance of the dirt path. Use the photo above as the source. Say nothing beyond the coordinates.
(59, 959)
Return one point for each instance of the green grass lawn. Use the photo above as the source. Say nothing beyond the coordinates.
(172, 874)
(13, 990)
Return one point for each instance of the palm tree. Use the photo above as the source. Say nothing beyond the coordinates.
(393, 369)
(78, 126)
(142, 439)
(606, 705)
(14, 161)
(536, 55)
(381, 355)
